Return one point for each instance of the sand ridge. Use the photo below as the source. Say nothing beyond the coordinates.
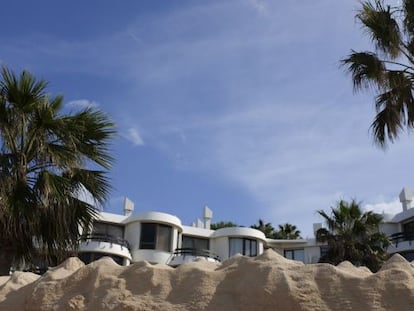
(265, 282)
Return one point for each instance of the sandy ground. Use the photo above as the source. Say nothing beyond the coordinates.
(266, 282)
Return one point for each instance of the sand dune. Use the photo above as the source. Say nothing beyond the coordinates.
(266, 282)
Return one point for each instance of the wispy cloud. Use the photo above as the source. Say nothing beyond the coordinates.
(258, 5)
(258, 104)
(133, 135)
(83, 103)
(391, 207)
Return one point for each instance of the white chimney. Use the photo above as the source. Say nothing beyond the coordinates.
(128, 207)
(316, 227)
(208, 214)
(200, 224)
(406, 197)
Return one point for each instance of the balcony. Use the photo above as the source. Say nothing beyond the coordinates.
(105, 238)
(105, 244)
(185, 255)
(399, 237)
(401, 242)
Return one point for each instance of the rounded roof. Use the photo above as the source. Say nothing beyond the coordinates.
(239, 232)
(155, 217)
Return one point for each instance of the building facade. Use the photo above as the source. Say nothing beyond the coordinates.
(400, 227)
(162, 238)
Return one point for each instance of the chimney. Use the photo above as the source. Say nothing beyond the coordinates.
(199, 224)
(316, 227)
(405, 198)
(128, 207)
(208, 214)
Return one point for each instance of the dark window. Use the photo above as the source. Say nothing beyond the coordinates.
(107, 229)
(247, 247)
(324, 250)
(295, 254)
(155, 236)
(409, 227)
(88, 257)
(195, 243)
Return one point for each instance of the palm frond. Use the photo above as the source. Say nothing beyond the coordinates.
(382, 27)
(366, 68)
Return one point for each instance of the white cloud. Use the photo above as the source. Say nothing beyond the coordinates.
(83, 103)
(258, 5)
(134, 136)
(392, 207)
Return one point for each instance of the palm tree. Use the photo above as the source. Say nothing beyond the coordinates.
(353, 235)
(266, 228)
(287, 232)
(222, 224)
(43, 170)
(389, 70)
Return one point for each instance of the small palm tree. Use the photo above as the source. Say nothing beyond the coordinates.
(287, 232)
(389, 70)
(222, 224)
(353, 235)
(44, 160)
(266, 228)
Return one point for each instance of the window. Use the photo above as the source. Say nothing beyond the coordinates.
(107, 229)
(409, 227)
(155, 236)
(324, 250)
(295, 254)
(247, 247)
(195, 243)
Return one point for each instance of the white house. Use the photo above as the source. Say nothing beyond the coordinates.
(400, 227)
(162, 238)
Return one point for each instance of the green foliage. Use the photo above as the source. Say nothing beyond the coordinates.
(287, 232)
(267, 228)
(353, 235)
(222, 224)
(389, 70)
(44, 156)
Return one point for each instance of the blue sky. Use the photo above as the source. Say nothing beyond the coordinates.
(240, 105)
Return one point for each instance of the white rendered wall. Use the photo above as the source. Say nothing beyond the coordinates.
(133, 236)
(219, 242)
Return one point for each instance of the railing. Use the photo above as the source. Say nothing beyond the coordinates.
(401, 237)
(105, 238)
(195, 252)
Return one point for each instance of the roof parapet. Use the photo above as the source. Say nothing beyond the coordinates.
(406, 198)
(128, 206)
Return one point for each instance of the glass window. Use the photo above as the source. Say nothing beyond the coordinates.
(195, 243)
(148, 236)
(409, 227)
(247, 247)
(156, 236)
(324, 250)
(107, 229)
(163, 238)
(295, 254)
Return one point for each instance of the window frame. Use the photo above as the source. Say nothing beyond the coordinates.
(245, 242)
(154, 244)
(294, 250)
(194, 239)
(107, 225)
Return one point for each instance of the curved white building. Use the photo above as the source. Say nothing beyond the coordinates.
(161, 238)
